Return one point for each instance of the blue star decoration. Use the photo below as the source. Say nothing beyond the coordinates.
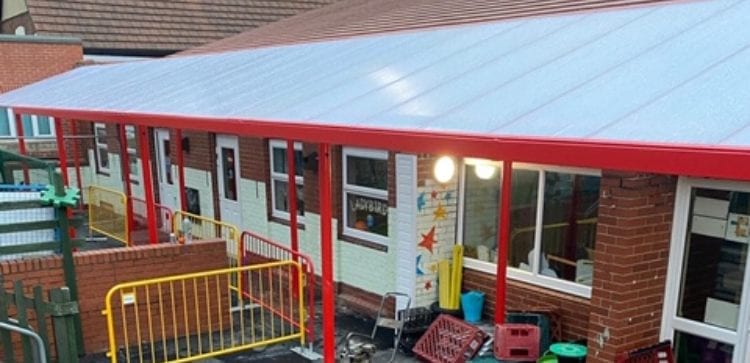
(448, 196)
(419, 266)
(421, 201)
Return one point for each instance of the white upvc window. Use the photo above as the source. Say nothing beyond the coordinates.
(100, 148)
(553, 224)
(365, 194)
(33, 126)
(132, 153)
(280, 179)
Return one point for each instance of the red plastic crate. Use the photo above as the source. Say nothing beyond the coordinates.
(449, 340)
(517, 342)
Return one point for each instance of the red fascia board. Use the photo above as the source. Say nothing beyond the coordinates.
(676, 159)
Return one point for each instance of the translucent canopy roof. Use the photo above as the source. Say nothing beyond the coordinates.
(676, 73)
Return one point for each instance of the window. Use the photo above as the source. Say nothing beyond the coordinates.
(33, 126)
(7, 126)
(132, 153)
(280, 179)
(553, 223)
(101, 150)
(365, 194)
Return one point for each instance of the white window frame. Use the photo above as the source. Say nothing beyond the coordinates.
(132, 154)
(532, 277)
(364, 191)
(34, 127)
(98, 146)
(284, 177)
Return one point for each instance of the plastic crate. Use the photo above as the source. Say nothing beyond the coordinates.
(449, 340)
(540, 320)
(416, 319)
(517, 342)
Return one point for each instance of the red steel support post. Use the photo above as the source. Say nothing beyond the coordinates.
(125, 160)
(76, 160)
(326, 248)
(181, 166)
(22, 146)
(62, 153)
(148, 184)
(503, 238)
(292, 198)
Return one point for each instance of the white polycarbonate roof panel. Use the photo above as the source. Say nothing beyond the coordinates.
(668, 73)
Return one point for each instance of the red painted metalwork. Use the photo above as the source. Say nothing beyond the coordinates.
(326, 253)
(679, 159)
(148, 184)
(292, 198)
(22, 146)
(503, 239)
(77, 161)
(181, 166)
(164, 214)
(126, 179)
(61, 151)
(258, 249)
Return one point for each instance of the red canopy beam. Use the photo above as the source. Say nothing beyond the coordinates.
(61, 151)
(326, 250)
(503, 239)
(148, 183)
(181, 169)
(22, 145)
(125, 158)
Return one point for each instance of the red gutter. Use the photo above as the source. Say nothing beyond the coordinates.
(680, 159)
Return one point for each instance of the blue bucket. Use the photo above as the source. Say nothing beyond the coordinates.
(472, 303)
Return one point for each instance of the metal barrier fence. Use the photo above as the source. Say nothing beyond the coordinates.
(187, 225)
(108, 213)
(164, 215)
(189, 317)
(256, 249)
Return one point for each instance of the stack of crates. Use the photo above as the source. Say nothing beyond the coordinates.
(516, 342)
(449, 340)
(540, 320)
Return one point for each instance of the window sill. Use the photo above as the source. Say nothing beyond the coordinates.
(558, 285)
(286, 222)
(364, 243)
(103, 172)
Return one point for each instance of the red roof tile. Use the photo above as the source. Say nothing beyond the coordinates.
(160, 26)
(360, 17)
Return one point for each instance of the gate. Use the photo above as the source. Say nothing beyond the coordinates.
(108, 213)
(194, 316)
(59, 310)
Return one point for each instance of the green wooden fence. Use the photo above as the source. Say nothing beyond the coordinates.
(59, 310)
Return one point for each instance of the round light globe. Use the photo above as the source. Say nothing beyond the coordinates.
(444, 169)
(485, 171)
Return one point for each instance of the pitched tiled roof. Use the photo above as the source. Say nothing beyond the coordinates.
(360, 17)
(157, 26)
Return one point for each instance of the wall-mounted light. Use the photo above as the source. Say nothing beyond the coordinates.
(445, 168)
(485, 171)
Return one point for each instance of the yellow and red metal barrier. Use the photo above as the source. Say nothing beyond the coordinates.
(257, 250)
(108, 214)
(193, 316)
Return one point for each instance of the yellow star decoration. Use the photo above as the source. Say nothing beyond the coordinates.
(440, 212)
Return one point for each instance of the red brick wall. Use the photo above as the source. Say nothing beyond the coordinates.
(27, 62)
(573, 311)
(98, 271)
(632, 249)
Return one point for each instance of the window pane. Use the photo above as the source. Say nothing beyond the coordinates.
(694, 349)
(367, 214)
(230, 179)
(281, 197)
(524, 201)
(44, 126)
(103, 156)
(130, 136)
(367, 172)
(279, 161)
(715, 250)
(166, 161)
(570, 209)
(4, 122)
(28, 129)
(134, 169)
(101, 134)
